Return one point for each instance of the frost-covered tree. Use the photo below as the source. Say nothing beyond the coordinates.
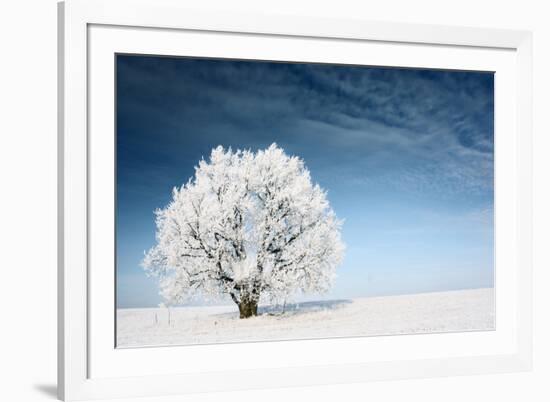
(248, 225)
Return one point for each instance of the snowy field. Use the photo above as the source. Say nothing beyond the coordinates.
(462, 310)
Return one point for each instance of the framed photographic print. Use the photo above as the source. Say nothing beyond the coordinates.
(243, 197)
(306, 195)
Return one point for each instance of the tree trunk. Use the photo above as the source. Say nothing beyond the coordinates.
(248, 308)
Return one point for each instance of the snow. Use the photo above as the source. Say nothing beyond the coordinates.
(461, 310)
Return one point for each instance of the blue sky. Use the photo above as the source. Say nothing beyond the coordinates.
(406, 156)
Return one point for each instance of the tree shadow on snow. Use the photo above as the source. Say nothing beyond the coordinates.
(304, 307)
(293, 309)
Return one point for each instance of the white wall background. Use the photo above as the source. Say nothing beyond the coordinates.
(28, 199)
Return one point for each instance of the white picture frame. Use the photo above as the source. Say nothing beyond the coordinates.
(89, 367)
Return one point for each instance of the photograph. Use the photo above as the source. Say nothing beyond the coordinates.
(261, 200)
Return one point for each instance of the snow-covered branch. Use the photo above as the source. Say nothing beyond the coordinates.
(248, 225)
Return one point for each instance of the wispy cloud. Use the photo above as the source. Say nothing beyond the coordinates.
(415, 127)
